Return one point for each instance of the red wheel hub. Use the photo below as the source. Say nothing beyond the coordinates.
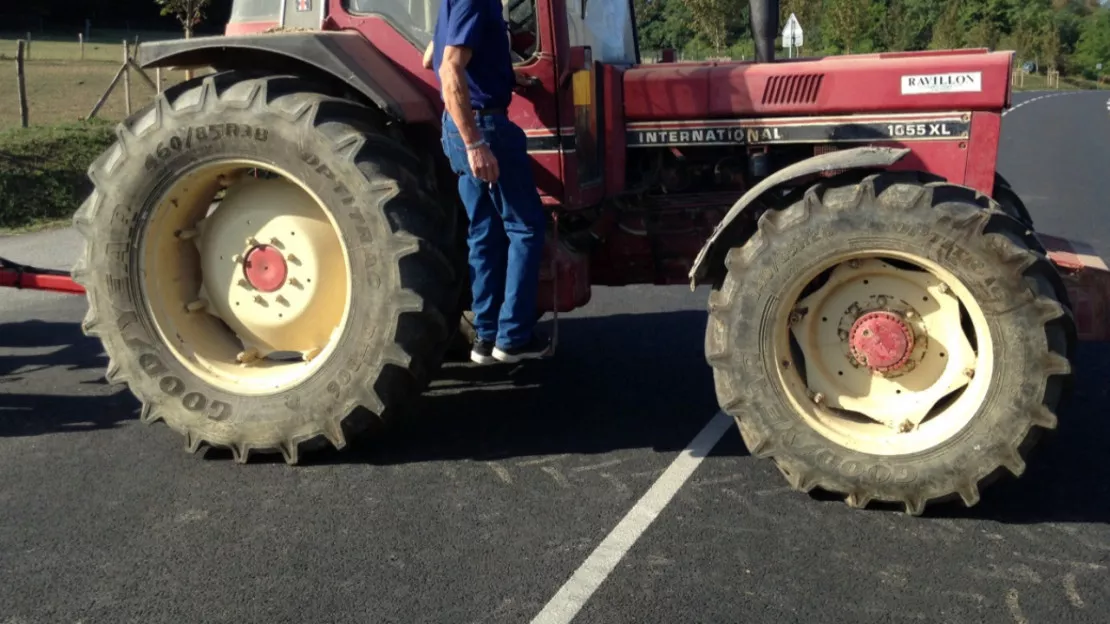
(881, 340)
(265, 268)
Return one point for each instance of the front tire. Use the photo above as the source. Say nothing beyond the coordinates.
(288, 349)
(891, 340)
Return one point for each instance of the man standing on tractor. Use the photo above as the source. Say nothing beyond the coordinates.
(470, 54)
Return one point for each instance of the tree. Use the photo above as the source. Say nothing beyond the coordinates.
(907, 24)
(946, 33)
(849, 21)
(1093, 46)
(714, 20)
(663, 24)
(188, 12)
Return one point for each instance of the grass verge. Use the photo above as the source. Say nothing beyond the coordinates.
(43, 171)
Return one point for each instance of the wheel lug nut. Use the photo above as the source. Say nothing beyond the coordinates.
(245, 284)
(819, 398)
(252, 241)
(294, 282)
(259, 300)
(944, 289)
(237, 259)
(196, 306)
(247, 356)
(276, 243)
(283, 301)
(293, 259)
(187, 234)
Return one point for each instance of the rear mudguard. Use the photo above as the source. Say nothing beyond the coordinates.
(346, 57)
(856, 158)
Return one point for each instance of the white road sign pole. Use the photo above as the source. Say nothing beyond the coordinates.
(792, 35)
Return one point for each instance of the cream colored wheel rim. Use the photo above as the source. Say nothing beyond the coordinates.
(246, 277)
(927, 340)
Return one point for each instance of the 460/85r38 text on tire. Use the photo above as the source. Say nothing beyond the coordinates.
(264, 267)
(893, 340)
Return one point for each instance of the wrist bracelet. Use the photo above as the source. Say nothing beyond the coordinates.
(475, 145)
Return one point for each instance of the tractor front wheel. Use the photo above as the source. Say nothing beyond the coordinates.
(266, 269)
(892, 340)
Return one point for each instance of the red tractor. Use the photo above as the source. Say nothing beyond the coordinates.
(276, 253)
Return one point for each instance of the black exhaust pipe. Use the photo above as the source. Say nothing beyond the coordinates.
(765, 27)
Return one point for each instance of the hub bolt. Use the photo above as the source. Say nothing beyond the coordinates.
(245, 357)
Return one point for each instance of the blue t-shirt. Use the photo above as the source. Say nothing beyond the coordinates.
(478, 25)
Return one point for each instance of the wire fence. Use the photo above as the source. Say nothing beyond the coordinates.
(64, 81)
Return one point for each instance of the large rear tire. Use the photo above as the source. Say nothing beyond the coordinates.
(892, 340)
(265, 267)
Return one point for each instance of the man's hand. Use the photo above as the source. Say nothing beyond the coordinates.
(428, 55)
(483, 164)
(524, 80)
(456, 99)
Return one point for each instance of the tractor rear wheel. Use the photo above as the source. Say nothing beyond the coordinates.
(266, 269)
(893, 340)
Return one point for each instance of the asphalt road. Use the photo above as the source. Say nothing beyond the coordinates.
(484, 507)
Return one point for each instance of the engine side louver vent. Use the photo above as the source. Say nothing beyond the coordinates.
(796, 89)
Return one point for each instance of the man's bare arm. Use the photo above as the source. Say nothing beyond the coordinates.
(428, 55)
(456, 92)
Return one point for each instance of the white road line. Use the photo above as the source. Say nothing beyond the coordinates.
(572, 596)
(1038, 98)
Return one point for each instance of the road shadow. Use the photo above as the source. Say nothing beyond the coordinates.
(32, 353)
(617, 382)
(1068, 473)
(626, 381)
(641, 381)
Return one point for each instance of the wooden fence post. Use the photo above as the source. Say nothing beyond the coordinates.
(127, 76)
(22, 85)
(81, 41)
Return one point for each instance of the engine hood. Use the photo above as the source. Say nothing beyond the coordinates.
(864, 83)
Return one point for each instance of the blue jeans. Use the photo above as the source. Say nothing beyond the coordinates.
(506, 232)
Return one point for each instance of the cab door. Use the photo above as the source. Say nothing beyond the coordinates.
(534, 40)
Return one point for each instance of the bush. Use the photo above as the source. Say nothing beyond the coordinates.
(43, 170)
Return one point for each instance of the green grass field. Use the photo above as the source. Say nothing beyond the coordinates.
(62, 88)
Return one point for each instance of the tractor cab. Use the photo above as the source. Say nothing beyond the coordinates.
(575, 49)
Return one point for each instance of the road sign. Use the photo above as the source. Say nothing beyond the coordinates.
(792, 33)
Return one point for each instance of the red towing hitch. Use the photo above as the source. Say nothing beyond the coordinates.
(14, 275)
